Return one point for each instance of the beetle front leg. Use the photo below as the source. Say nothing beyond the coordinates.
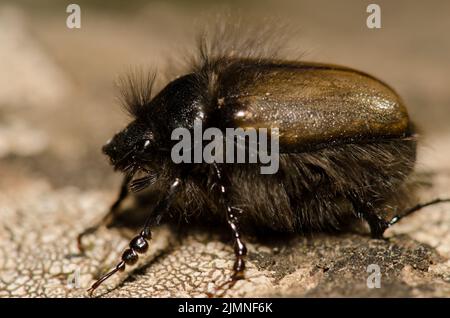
(139, 244)
(240, 250)
(109, 216)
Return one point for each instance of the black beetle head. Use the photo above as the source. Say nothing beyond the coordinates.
(129, 147)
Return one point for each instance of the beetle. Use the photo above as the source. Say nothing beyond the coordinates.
(347, 148)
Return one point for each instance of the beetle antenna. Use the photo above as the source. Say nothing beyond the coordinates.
(142, 183)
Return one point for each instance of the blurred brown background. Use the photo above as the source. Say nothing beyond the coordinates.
(58, 105)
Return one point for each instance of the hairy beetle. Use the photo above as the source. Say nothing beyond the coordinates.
(347, 147)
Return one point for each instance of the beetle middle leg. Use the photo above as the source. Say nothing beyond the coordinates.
(240, 250)
(123, 193)
(139, 244)
(415, 208)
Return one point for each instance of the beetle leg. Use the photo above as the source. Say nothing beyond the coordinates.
(240, 250)
(109, 216)
(418, 207)
(139, 244)
(377, 225)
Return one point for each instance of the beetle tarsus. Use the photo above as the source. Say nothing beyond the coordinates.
(416, 208)
(240, 250)
(139, 244)
(80, 236)
(119, 267)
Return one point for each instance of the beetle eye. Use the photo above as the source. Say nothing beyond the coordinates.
(144, 145)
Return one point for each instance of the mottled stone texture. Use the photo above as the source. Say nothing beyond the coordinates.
(57, 108)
